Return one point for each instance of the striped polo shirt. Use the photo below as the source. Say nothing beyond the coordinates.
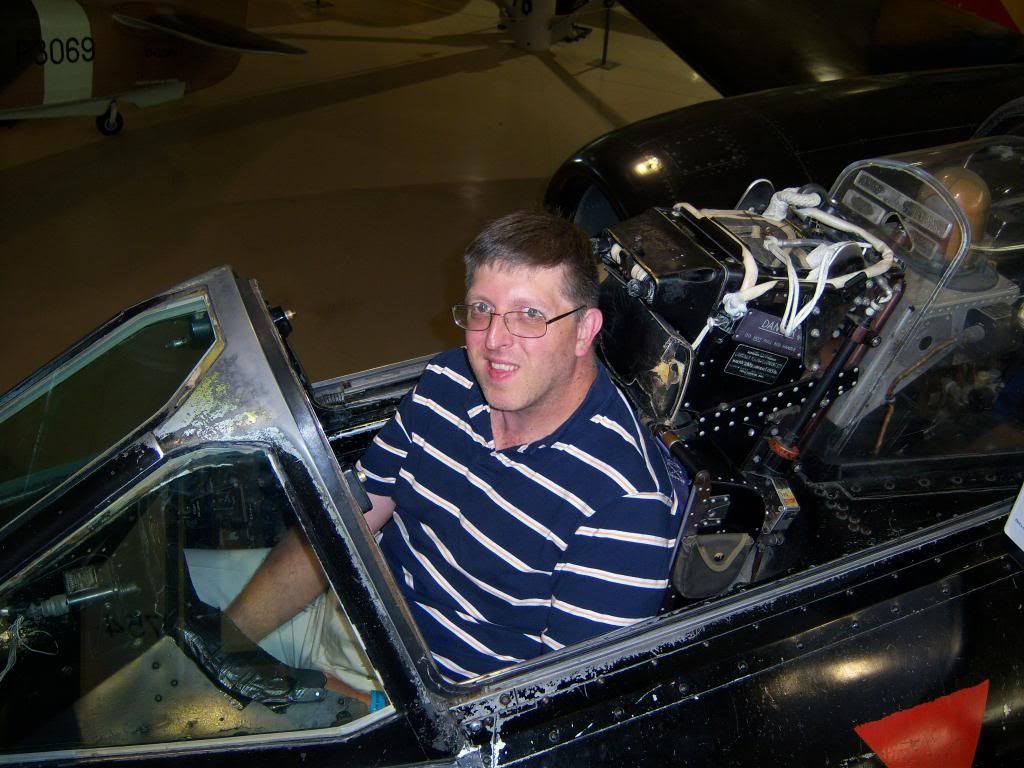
(504, 555)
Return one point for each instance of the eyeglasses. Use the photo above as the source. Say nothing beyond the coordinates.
(525, 323)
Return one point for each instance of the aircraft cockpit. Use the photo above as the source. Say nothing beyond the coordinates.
(814, 357)
(839, 373)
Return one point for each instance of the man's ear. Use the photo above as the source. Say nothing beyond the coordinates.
(587, 329)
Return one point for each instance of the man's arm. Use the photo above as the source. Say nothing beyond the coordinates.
(282, 586)
(289, 579)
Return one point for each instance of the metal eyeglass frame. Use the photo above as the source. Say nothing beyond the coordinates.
(504, 316)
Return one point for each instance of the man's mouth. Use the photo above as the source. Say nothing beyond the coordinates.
(504, 367)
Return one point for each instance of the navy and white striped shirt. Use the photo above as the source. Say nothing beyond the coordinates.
(503, 555)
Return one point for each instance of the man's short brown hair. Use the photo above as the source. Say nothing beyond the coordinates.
(537, 239)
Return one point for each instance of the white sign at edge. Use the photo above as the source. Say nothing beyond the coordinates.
(1015, 524)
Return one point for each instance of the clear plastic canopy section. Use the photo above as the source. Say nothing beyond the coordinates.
(954, 212)
(948, 373)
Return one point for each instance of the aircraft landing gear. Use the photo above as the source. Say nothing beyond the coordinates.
(536, 25)
(110, 122)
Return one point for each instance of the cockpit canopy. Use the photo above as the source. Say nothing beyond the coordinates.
(956, 210)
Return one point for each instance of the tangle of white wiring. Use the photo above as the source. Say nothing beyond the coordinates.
(18, 635)
(827, 254)
(792, 284)
(884, 251)
(820, 259)
(14, 632)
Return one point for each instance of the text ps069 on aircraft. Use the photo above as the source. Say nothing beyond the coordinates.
(83, 57)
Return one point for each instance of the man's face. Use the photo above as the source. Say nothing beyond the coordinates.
(529, 377)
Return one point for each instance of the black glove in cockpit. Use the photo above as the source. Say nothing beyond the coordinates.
(241, 668)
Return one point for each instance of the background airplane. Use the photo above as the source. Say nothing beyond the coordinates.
(84, 57)
(740, 46)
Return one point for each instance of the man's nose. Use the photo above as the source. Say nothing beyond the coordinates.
(497, 333)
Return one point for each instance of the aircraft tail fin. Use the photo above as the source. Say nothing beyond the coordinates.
(206, 31)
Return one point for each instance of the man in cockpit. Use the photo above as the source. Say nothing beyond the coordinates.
(521, 505)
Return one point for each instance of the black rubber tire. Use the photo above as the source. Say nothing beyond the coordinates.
(104, 126)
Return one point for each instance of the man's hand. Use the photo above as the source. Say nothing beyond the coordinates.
(381, 511)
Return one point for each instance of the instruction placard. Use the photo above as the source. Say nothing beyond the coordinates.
(755, 364)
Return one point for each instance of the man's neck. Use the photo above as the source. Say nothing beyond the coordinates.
(529, 425)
